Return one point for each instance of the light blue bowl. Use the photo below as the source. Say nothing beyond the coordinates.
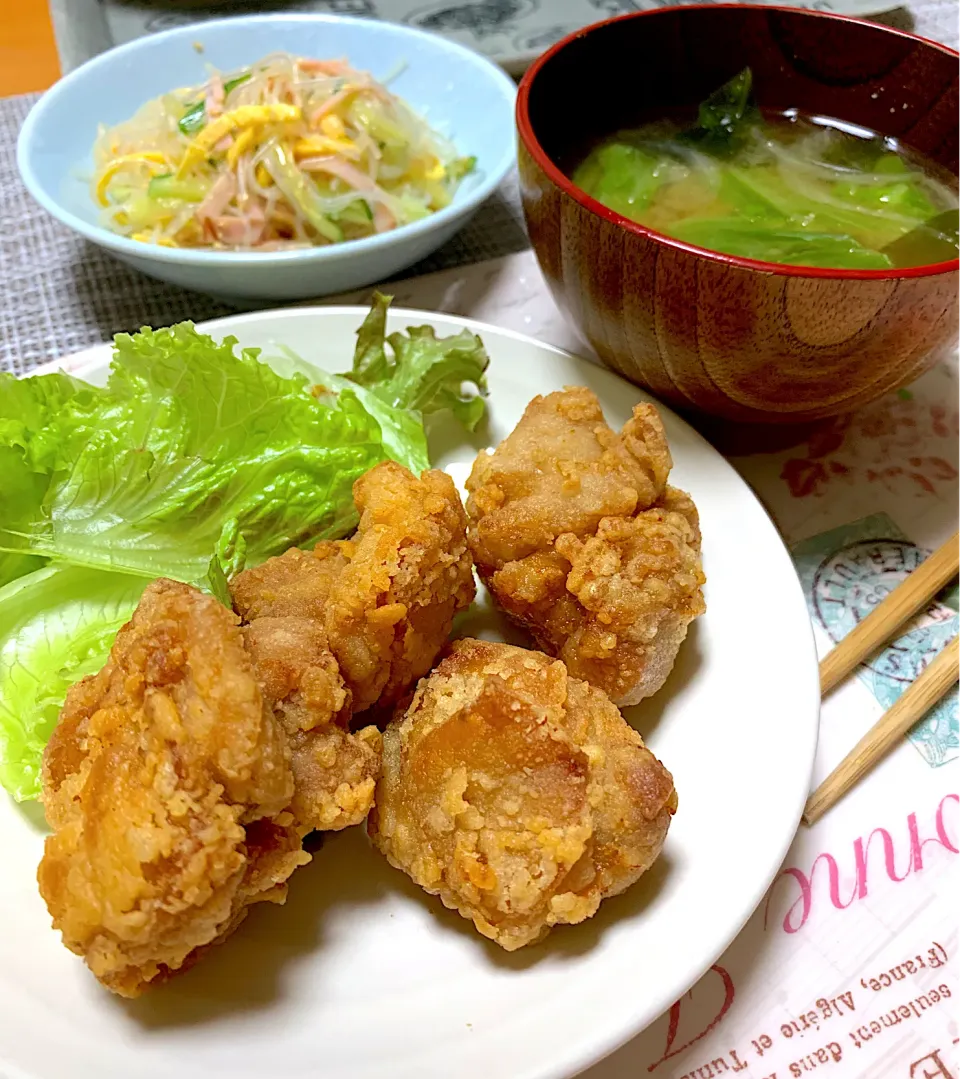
(461, 94)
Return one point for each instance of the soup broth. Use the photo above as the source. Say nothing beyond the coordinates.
(778, 187)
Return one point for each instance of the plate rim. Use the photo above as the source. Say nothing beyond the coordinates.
(588, 1049)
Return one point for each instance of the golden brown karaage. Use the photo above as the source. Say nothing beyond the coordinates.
(517, 793)
(386, 598)
(580, 540)
(165, 783)
(335, 769)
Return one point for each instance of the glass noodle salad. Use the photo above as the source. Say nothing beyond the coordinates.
(286, 153)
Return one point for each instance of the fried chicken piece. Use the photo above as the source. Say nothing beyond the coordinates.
(386, 598)
(580, 540)
(517, 793)
(335, 770)
(295, 584)
(409, 573)
(615, 606)
(165, 783)
(562, 469)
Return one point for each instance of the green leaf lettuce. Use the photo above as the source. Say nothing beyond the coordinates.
(56, 627)
(401, 377)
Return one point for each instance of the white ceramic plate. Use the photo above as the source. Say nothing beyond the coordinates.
(362, 975)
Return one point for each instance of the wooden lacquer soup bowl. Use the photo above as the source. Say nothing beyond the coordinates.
(717, 333)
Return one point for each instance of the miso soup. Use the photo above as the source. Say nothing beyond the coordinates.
(778, 187)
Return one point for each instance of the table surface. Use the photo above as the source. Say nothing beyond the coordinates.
(28, 48)
(847, 963)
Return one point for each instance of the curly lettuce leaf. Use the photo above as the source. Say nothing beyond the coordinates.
(42, 420)
(228, 560)
(22, 502)
(56, 626)
(189, 435)
(401, 377)
(46, 416)
(420, 372)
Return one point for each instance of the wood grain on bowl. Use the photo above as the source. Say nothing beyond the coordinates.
(719, 334)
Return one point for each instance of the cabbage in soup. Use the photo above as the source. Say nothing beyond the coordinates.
(779, 187)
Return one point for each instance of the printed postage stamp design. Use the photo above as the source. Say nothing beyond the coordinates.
(845, 573)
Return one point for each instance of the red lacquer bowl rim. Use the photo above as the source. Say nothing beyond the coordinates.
(536, 151)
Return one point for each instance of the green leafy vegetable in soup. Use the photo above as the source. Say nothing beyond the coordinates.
(782, 188)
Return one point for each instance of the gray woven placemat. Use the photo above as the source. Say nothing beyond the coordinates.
(62, 294)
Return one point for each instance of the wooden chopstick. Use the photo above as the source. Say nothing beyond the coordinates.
(914, 593)
(913, 704)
